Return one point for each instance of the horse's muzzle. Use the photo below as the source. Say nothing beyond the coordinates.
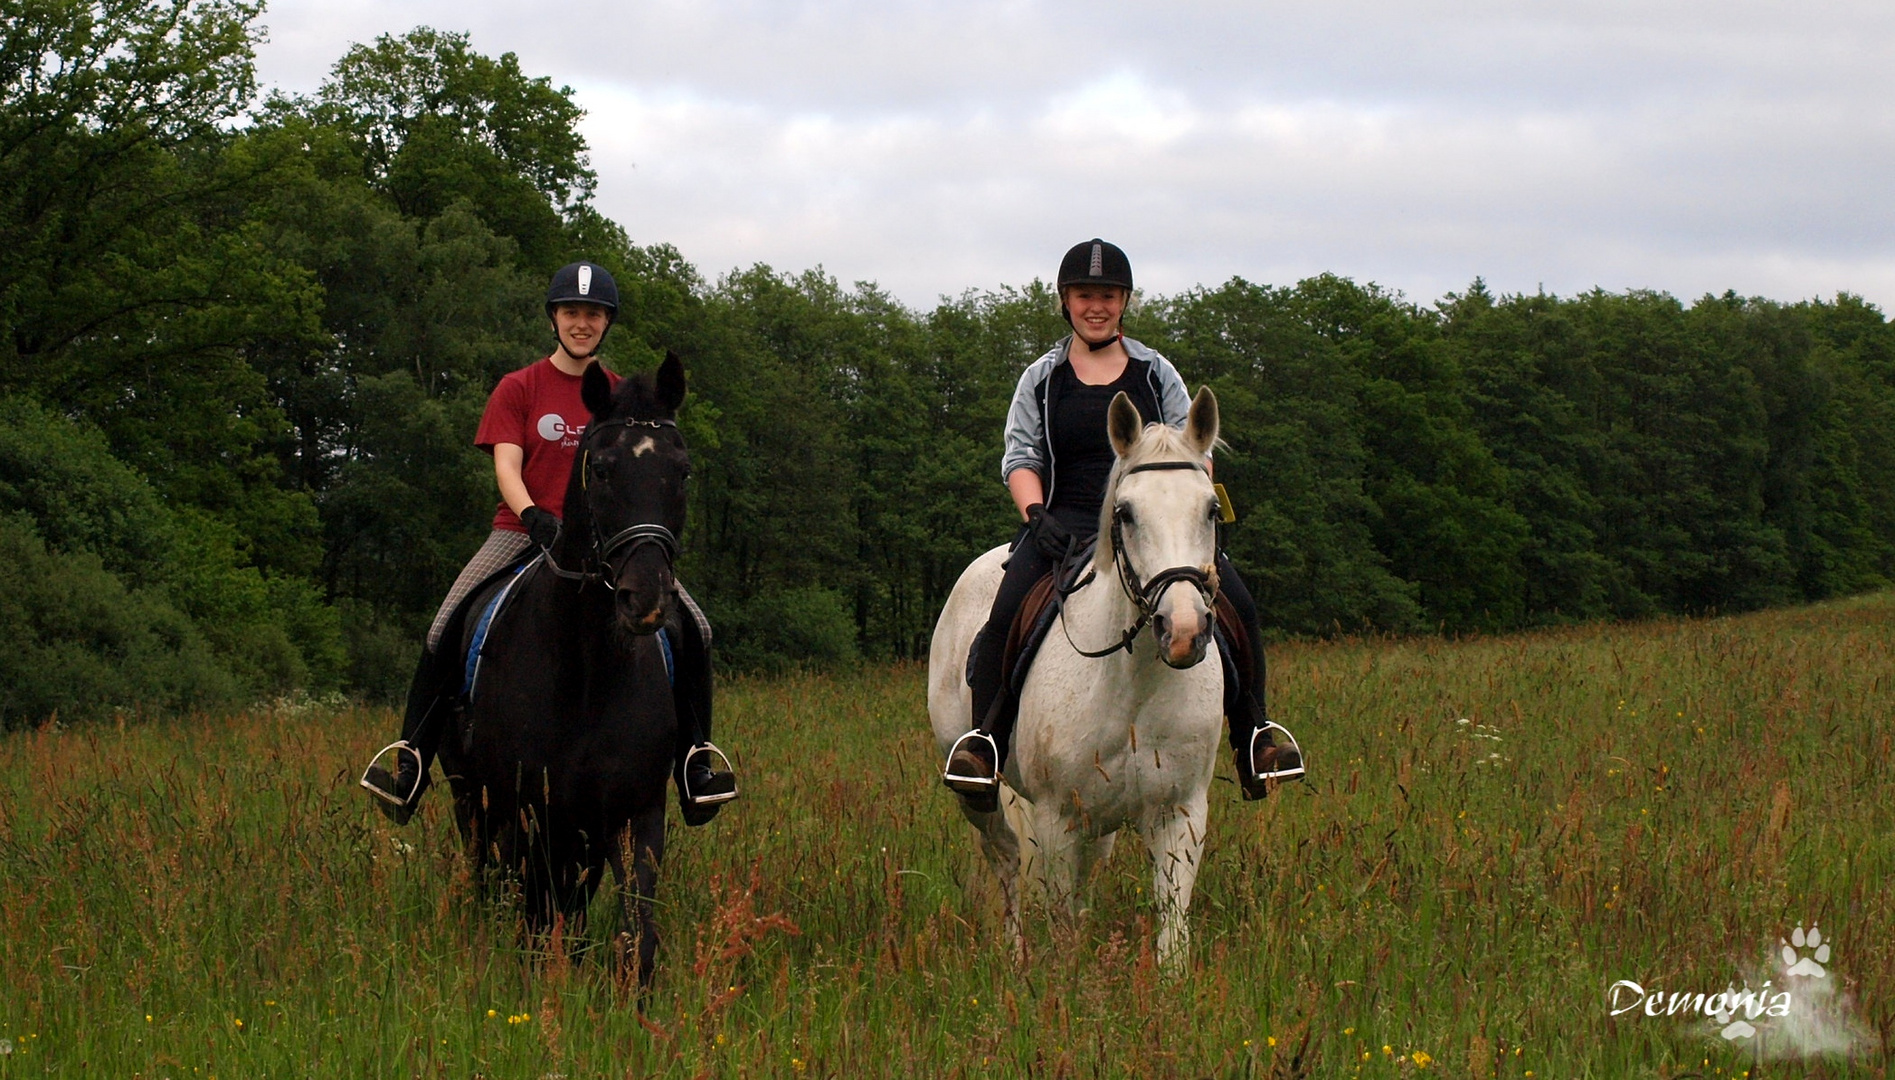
(1183, 631)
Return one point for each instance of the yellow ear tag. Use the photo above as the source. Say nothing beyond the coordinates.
(1223, 504)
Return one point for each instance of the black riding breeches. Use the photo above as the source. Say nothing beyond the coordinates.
(995, 709)
(691, 673)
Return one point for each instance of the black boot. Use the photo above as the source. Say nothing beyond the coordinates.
(399, 792)
(703, 789)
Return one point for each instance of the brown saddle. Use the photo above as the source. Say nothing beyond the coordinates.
(1039, 611)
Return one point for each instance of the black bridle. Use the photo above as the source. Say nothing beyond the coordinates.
(605, 549)
(1143, 594)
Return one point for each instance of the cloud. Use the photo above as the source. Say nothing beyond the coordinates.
(1689, 147)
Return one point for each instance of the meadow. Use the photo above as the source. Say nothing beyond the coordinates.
(1495, 831)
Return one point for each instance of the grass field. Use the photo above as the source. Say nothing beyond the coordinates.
(1663, 803)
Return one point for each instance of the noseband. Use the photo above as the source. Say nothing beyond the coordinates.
(627, 540)
(1145, 594)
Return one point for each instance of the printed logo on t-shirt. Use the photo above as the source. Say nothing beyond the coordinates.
(553, 428)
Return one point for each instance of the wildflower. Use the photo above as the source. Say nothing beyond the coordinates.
(1365, 1056)
(491, 1014)
(1421, 1058)
(798, 1064)
(239, 1022)
(973, 1001)
(1348, 1031)
(1387, 1049)
(147, 1018)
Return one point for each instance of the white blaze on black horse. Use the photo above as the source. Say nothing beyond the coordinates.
(561, 762)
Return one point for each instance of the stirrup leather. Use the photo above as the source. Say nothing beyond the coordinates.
(398, 747)
(972, 785)
(1291, 773)
(712, 799)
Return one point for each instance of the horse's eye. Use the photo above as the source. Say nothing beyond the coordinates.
(601, 469)
(1122, 513)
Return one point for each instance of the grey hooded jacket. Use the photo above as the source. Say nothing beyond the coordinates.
(1027, 446)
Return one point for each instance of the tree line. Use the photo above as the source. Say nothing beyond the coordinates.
(245, 339)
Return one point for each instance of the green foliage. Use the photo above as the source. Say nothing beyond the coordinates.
(94, 517)
(80, 644)
(263, 333)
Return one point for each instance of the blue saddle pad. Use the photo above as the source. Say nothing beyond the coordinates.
(477, 645)
(481, 626)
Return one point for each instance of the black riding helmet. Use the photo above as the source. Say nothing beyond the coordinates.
(584, 283)
(1094, 262)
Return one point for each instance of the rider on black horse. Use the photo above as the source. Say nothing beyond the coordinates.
(1057, 461)
(532, 426)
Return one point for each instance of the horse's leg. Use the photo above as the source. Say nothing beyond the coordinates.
(635, 861)
(1000, 842)
(1055, 856)
(1175, 837)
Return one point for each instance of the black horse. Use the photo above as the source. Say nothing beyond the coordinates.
(564, 750)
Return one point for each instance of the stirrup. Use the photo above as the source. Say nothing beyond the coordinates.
(399, 746)
(714, 798)
(963, 782)
(1294, 772)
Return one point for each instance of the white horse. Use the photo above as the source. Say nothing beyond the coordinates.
(1126, 738)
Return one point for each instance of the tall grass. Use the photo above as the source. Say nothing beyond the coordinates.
(1661, 802)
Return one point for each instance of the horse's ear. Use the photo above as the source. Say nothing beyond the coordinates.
(1200, 425)
(596, 391)
(671, 383)
(1123, 424)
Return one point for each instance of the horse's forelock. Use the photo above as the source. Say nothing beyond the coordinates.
(636, 398)
(1157, 442)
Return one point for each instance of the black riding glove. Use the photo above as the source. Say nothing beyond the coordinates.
(1047, 533)
(542, 525)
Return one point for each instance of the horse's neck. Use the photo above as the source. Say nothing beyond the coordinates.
(1098, 615)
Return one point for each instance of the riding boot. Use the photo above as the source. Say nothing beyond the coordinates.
(703, 787)
(1262, 764)
(973, 766)
(397, 794)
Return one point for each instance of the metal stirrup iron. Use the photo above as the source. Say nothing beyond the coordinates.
(972, 785)
(1290, 773)
(716, 797)
(399, 747)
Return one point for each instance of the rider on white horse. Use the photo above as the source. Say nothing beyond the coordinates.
(1057, 462)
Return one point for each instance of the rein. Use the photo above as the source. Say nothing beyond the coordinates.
(1143, 594)
(628, 539)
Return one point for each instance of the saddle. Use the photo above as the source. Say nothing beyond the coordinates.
(487, 601)
(1040, 610)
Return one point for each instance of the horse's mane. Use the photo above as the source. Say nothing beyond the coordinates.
(1158, 442)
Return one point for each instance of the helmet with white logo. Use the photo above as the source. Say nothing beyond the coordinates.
(583, 283)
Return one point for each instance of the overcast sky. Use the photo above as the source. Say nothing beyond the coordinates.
(1687, 146)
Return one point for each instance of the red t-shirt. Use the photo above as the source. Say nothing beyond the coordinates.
(538, 409)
